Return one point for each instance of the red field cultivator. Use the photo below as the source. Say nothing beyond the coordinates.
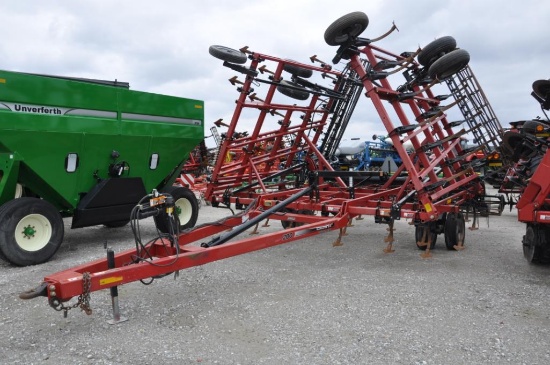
(297, 113)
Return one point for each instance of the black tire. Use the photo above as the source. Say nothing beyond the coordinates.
(346, 27)
(31, 231)
(436, 49)
(227, 54)
(298, 71)
(535, 244)
(542, 88)
(116, 224)
(295, 91)
(186, 210)
(449, 64)
(455, 230)
(419, 234)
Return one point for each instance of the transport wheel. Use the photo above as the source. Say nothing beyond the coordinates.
(419, 235)
(346, 27)
(116, 224)
(298, 71)
(542, 88)
(31, 231)
(449, 64)
(535, 244)
(186, 209)
(455, 230)
(436, 49)
(300, 93)
(227, 54)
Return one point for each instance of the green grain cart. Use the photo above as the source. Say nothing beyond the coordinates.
(86, 149)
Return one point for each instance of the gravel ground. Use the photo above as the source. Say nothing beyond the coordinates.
(306, 302)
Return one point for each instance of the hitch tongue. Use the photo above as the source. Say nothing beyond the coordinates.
(39, 291)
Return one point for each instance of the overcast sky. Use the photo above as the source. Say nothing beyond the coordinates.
(162, 46)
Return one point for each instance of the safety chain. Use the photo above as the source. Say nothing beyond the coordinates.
(83, 299)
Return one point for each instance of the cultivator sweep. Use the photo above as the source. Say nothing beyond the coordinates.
(280, 170)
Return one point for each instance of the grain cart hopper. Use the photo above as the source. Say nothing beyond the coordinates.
(86, 149)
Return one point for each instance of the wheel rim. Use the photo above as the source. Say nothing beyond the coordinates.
(184, 210)
(18, 191)
(33, 232)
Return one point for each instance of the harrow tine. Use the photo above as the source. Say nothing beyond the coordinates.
(393, 27)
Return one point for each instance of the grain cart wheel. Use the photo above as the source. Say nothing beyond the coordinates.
(186, 209)
(346, 27)
(227, 54)
(295, 91)
(449, 64)
(455, 230)
(535, 244)
(31, 231)
(436, 49)
(298, 71)
(419, 232)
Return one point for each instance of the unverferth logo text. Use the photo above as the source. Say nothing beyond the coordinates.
(37, 109)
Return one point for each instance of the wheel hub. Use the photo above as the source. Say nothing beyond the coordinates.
(29, 232)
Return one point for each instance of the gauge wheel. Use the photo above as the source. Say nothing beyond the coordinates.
(455, 230)
(186, 210)
(436, 49)
(298, 71)
(292, 90)
(31, 231)
(449, 64)
(346, 27)
(227, 54)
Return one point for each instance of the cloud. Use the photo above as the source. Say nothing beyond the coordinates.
(163, 46)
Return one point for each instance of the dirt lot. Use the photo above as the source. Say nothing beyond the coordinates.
(302, 303)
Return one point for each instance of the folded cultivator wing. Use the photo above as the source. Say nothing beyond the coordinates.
(273, 159)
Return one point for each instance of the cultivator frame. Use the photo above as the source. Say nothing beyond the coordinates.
(433, 188)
